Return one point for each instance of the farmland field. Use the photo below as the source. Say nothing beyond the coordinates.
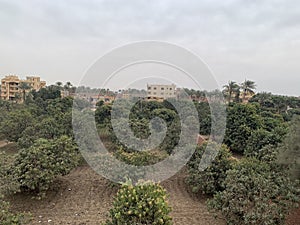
(83, 197)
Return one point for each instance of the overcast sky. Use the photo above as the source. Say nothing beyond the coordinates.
(59, 39)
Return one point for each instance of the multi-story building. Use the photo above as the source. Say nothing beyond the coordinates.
(10, 86)
(35, 82)
(161, 92)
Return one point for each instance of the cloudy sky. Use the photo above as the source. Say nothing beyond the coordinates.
(238, 39)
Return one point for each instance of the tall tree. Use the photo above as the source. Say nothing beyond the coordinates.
(230, 90)
(68, 86)
(59, 85)
(289, 151)
(248, 87)
(24, 87)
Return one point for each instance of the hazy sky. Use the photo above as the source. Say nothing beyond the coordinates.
(238, 39)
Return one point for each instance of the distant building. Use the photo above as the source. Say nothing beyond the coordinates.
(161, 92)
(94, 98)
(10, 86)
(35, 82)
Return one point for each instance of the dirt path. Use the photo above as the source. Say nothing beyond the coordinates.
(84, 198)
(81, 197)
(188, 209)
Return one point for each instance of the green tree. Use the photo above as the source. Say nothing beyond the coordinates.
(230, 90)
(8, 184)
(248, 87)
(15, 123)
(289, 151)
(210, 180)
(255, 193)
(59, 84)
(36, 167)
(24, 87)
(242, 120)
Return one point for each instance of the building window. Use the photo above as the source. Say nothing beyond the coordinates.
(154, 93)
(149, 88)
(154, 88)
(162, 88)
(170, 89)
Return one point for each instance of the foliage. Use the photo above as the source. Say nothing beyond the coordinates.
(143, 204)
(230, 90)
(241, 121)
(7, 184)
(248, 88)
(210, 180)
(14, 124)
(139, 120)
(261, 138)
(284, 105)
(289, 151)
(255, 193)
(36, 167)
(48, 128)
(49, 92)
(9, 218)
(141, 158)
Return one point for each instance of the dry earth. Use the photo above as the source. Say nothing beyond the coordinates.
(84, 198)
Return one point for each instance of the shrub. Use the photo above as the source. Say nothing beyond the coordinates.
(211, 179)
(141, 158)
(36, 167)
(7, 184)
(242, 120)
(142, 204)
(261, 138)
(289, 151)
(9, 218)
(255, 194)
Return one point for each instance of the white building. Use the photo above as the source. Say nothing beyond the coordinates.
(160, 91)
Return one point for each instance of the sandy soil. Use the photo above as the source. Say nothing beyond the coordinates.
(84, 198)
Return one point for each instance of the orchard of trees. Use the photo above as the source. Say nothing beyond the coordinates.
(254, 178)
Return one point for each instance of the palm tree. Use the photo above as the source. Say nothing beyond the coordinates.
(248, 87)
(230, 90)
(59, 85)
(24, 87)
(68, 86)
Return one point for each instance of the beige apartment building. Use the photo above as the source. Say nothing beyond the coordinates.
(161, 92)
(10, 86)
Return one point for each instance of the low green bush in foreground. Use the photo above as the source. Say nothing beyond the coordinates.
(143, 204)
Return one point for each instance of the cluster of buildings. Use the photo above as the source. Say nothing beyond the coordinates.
(12, 88)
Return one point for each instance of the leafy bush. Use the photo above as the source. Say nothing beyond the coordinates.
(142, 204)
(211, 179)
(9, 218)
(289, 150)
(7, 184)
(242, 120)
(36, 167)
(261, 138)
(255, 193)
(15, 123)
(141, 158)
(268, 154)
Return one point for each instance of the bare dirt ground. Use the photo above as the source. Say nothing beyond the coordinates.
(84, 198)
